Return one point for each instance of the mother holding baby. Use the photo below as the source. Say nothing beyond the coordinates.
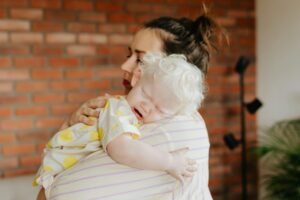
(98, 176)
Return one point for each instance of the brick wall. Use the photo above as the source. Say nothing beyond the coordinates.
(55, 54)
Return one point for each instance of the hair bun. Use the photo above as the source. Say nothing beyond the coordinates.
(202, 28)
(208, 32)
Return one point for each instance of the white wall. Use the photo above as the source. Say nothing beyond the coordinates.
(278, 63)
(278, 60)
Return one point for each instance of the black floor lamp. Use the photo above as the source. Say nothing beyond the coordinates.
(251, 107)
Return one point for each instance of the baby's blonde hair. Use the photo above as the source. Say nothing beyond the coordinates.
(182, 78)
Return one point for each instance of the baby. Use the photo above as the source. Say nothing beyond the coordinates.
(168, 86)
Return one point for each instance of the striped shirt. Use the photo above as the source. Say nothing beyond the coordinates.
(98, 177)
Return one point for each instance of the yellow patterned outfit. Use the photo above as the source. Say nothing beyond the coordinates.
(68, 146)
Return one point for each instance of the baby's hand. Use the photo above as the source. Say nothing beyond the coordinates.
(180, 165)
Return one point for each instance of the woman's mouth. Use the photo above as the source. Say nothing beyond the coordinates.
(126, 83)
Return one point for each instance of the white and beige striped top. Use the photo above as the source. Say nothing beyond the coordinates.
(98, 177)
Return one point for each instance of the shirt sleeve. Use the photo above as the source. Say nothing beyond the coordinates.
(115, 119)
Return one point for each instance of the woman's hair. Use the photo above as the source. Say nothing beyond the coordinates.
(194, 39)
(183, 79)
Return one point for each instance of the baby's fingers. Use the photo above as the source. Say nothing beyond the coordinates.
(192, 168)
(191, 161)
(188, 174)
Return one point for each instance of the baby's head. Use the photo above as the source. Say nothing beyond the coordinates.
(168, 86)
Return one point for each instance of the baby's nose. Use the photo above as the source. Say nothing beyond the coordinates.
(146, 107)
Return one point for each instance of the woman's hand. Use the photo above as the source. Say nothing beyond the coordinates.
(87, 111)
(180, 165)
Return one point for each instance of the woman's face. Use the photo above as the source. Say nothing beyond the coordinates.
(145, 40)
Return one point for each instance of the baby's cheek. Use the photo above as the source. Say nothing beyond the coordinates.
(155, 117)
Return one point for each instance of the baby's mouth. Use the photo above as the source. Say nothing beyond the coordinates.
(138, 114)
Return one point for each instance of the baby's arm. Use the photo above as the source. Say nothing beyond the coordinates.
(137, 154)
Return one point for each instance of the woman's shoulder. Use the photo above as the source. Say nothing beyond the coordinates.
(180, 122)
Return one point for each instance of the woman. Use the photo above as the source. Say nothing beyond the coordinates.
(98, 177)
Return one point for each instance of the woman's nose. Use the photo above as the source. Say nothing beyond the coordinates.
(128, 65)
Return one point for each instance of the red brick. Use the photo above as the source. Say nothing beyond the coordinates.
(48, 4)
(79, 97)
(139, 8)
(32, 14)
(2, 13)
(26, 37)
(7, 138)
(47, 73)
(99, 84)
(13, 99)
(79, 74)
(49, 98)
(92, 38)
(144, 18)
(95, 61)
(31, 111)
(246, 23)
(92, 17)
(240, 13)
(13, 49)
(63, 62)
(34, 136)
(60, 38)
(30, 160)
(19, 172)
(3, 37)
(9, 3)
(60, 15)
(120, 39)
(164, 10)
(188, 11)
(81, 27)
(47, 50)
(109, 73)
(30, 62)
(133, 28)
(14, 75)
(8, 163)
(5, 62)
(14, 25)
(219, 170)
(31, 86)
(85, 5)
(6, 87)
(15, 124)
(121, 18)
(45, 26)
(51, 122)
(226, 21)
(112, 28)
(65, 85)
(81, 50)
(65, 109)
(108, 6)
(110, 50)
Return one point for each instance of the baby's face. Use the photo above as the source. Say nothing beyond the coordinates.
(151, 101)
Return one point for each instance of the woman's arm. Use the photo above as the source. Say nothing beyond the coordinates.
(134, 153)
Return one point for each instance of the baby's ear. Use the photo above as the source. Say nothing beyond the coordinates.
(136, 75)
